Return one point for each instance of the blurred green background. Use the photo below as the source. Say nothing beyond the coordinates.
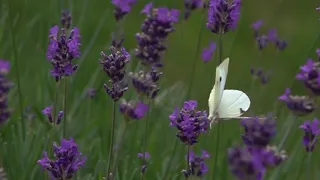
(89, 120)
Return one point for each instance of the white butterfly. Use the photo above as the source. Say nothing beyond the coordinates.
(229, 103)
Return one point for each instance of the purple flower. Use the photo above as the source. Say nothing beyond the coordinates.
(133, 110)
(191, 5)
(223, 16)
(144, 155)
(258, 131)
(154, 30)
(272, 35)
(262, 41)
(67, 160)
(251, 163)
(145, 83)
(189, 122)
(207, 52)
(299, 105)
(5, 86)
(122, 7)
(197, 165)
(62, 49)
(309, 74)
(256, 25)
(311, 132)
(113, 65)
(48, 112)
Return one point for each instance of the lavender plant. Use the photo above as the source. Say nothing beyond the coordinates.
(5, 86)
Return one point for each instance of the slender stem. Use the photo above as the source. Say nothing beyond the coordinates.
(171, 158)
(65, 107)
(145, 138)
(309, 166)
(16, 62)
(111, 139)
(292, 122)
(193, 70)
(55, 103)
(188, 161)
(219, 124)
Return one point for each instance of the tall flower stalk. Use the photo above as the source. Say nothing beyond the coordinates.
(113, 65)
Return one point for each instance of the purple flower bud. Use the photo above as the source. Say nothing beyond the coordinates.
(299, 105)
(5, 86)
(197, 165)
(311, 133)
(191, 5)
(133, 110)
(66, 19)
(223, 16)
(116, 90)
(144, 83)
(256, 26)
(189, 122)
(67, 160)
(207, 52)
(145, 155)
(122, 7)
(262, 41)
(59, 118)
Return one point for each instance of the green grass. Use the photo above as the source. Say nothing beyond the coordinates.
(89, 120)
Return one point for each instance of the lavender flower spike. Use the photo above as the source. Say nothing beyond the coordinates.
(191, 5)
(145, 83)
(311, 132)
(189, 122)
(62, 49)
(67, 160)
(223, 16)
(310, 75)
(299, 105)
(48, 112)
(5, 86)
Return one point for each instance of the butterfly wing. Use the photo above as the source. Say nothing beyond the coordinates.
(233, 104)
(217, 90)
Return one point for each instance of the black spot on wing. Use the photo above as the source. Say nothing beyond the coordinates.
(220, 79)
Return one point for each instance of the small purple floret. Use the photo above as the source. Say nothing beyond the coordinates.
(207, 52)
(311, 133)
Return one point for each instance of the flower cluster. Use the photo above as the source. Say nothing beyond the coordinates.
(5, 86)
(262, 40)
(133, 110)
(48, 112)
(197, 166)
(154, 30)
(311, 133)
(223, 16)
(191, 5)
(145, 83)
(251, 161)
(309, 74)
(299, 105)
(113, 65)
(62, 49)
(122, 7)
(68, 160)
(258, 73)
(189, 122)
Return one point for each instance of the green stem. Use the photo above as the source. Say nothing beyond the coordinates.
(16, 62)
(219, 124)
(111, 139)
(309, 165)
(55, 103)
(145, 137)
(193, 70)
(65, 107)
(171, 158)
(188, 161)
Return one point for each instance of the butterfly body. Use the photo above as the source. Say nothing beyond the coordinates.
(229, 103)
